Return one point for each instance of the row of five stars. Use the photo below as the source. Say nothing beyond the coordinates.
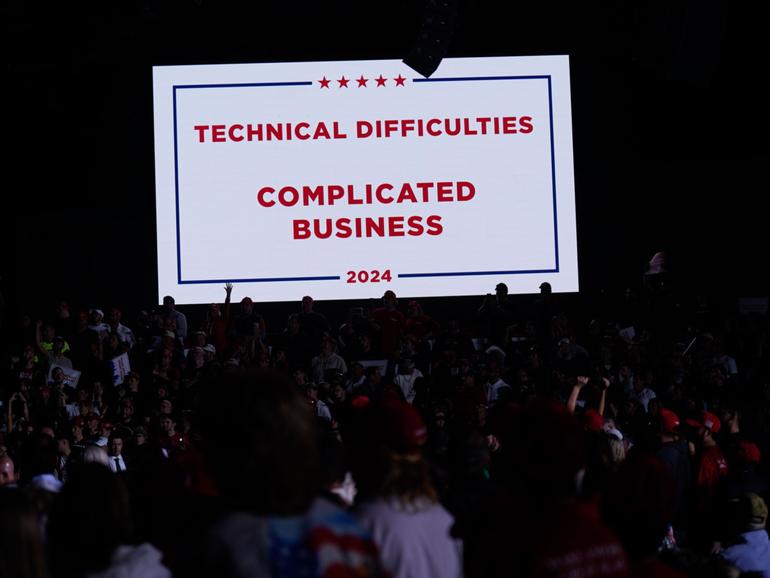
(343, 82)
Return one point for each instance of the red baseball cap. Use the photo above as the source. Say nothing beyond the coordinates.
(593, 420)
(669, 420)
(401, 426)
(708, 420)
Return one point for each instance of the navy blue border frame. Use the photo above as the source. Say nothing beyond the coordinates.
(337, 277)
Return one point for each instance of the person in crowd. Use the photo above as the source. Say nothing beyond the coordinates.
(117, 461)
(496, 312)
(8, 475)
(391, 324)
(312, 324)
(749, 548)
(177, 318)
(400, 505)
(408, 380)
(261, 443)
(125, 335)
(97, 325)
(674, 455)
(495, 387)
(90, 531)
(22, 554)
(327, 361)
(538, 477)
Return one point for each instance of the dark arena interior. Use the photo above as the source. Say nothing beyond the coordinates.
(622, 430)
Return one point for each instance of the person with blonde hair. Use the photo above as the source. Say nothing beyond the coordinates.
(399, 505)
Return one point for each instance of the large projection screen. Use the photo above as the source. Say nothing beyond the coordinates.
(342, 180)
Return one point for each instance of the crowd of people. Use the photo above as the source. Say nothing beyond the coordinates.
(626, 436)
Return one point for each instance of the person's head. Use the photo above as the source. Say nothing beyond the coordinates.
(748, 513)
(501, 291)
(356, 371)
(132, 381)
(209, 352)
(247, 305)
(58, 345)
(406, 366)
(545, 288)
(28, 352)
(260, 439)
(95, 455)
(413, 309)
(373, 376)
(62, 309)
(21, 545)
(389, 300)
(311, 391)
(706, 427)
(387, 453)
(140, 436)
(105, 429)
(48, 332)
(63, 446)
(669, 425)
(214, 312)
(293, 323)
(439, 418)
(196, 357)
(338, 393)
(38, 456)
(82, 319)
(365, 341)
(78, 425)
(96, 316)
(90, 518)
(169, 303)
(8, 473)
(199, 339)
(168, 425)
(126, 408)
(114, 316)
(307, 304)
(57, 375)
(165, 407)
(116, 445)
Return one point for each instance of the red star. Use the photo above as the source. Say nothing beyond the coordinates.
(324, 83)
(380, 80)
(362, 81)
(343, 82)
(399, 80)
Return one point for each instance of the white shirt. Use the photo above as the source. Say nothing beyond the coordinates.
(644, 396)
(114, 460)
(125, 335)
(322, 410)
(405, 381)
(493, 390)
(413, 542)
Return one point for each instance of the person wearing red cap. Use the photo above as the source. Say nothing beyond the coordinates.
(712, 467)
(710, 477)
(674, 454)
(400, 506)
